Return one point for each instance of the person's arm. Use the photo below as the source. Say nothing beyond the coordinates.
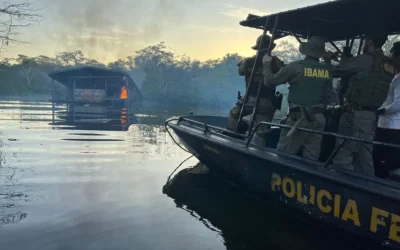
(278, 62)
(350, 66)
(241, 67)
(329, 94)
(395, 106)
(283, 76)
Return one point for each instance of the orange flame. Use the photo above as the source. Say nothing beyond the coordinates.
(123, 94)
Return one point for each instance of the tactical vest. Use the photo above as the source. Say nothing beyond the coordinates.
(309, 88)
(266, 92)
(370, 86)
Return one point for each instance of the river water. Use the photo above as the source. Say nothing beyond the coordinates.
(69, 188)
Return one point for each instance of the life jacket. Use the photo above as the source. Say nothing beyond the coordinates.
(369, 87)
(309, 88)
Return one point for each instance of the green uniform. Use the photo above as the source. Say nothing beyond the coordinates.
(369, 80)
(310, 84)
(266, 109)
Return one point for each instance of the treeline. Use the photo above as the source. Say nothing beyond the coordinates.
(161, 74)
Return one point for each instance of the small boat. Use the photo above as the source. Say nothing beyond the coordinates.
(359, 204)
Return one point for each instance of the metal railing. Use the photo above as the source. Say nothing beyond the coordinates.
(208, 128)
(336, 150)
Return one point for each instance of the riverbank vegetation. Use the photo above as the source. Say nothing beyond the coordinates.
(164, 77)
(161, 74)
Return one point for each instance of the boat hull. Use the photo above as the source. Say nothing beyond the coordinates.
(349, 201)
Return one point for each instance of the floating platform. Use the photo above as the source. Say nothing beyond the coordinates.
(95, 95)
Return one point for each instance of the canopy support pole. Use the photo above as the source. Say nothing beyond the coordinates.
(344, 81)
(295, 36)
(246, 96)
(255, 109)
(360, 46)
(336, 47)
(352, 43)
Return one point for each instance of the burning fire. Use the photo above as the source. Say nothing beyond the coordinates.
(123, 94)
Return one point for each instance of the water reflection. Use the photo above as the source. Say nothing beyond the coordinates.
(10, 191)
(12, 218)
(65, 187)
(244, 222)
(34, 112)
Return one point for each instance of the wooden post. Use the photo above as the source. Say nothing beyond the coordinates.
(73, 99)
(128, 95)
(105, 86)
(52, 101)
(127, 114)
(105, 97)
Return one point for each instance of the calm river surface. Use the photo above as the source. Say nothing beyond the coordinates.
(67, 188)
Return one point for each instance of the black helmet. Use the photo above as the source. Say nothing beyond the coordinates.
(265, 44)
(395, 50)
(378, 38)
(315, 47)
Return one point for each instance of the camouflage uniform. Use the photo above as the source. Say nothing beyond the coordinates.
(310, 83)
(266, 109)
(369, 81)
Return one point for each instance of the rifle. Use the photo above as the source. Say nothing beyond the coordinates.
(344, 81)
(277, 100)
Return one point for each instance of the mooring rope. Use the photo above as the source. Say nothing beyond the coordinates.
(169, 177)
(166, 128)
(184, 149)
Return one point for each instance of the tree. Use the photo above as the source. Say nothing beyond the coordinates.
(287, 52)
(27, 72)
(75, 58)
(119, 64)
(14, 16)
(159, 63)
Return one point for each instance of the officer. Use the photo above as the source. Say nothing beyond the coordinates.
(267, 107)
(310, 82)
(387, 159)
(369, 77)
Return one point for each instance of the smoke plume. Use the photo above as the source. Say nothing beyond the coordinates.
(110, 29)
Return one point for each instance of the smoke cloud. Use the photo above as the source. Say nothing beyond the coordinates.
(109, 29)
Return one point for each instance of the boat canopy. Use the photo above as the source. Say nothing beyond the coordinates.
(335, 20)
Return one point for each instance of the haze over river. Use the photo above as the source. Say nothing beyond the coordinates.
(68, 188)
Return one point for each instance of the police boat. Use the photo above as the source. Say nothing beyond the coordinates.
(223, 208)
(362, 205)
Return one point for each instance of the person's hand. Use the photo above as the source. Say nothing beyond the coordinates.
(380, 111)
(331, 55)
(267, 58)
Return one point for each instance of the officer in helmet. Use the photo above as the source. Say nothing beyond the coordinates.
(310, 82)
(369, 77)
(267, 107)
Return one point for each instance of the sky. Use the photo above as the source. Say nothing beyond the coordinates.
(106, 30)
